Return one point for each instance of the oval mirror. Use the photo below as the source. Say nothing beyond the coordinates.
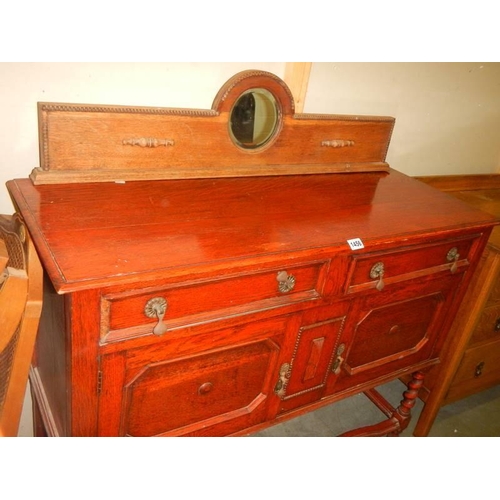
(254, 119)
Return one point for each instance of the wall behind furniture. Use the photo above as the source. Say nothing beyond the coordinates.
(447, 114)
(22, 85)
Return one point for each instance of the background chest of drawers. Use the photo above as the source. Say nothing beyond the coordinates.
(194, 290)
(475, 363)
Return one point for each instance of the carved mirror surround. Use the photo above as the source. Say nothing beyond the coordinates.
(251, 130)
(256, 102)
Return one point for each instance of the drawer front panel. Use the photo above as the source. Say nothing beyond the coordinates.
(195, 302)
(407, 264)
(478, 370)
(494, 297)
(488, 327)
(188, 396)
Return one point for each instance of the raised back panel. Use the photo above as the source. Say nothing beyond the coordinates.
(89, 143)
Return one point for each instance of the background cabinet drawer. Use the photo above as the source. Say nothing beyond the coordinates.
(201, 301)
(488, 327)
(478, 370)
(368, 271)
(494, 298)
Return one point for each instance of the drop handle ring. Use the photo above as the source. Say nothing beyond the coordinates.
(339, 359)
(280, 387)
(377, 272)
(453, 256)
(156, 308)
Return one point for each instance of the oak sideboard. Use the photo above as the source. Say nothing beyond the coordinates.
(207, 277)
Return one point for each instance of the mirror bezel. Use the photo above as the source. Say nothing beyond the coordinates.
(274, 119)
(244, 82)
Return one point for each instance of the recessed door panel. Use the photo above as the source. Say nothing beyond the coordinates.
(392, 332)
(186, 396)
(397, 329)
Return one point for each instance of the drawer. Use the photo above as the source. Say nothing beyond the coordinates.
(138, 312)
(488, 327)
(380, 269)
(494, 297)
(478, 370)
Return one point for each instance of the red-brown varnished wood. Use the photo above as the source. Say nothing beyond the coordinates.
(89, 234)
(50, 363)
(212, 249)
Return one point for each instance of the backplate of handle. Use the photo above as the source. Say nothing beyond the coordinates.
(286, 282)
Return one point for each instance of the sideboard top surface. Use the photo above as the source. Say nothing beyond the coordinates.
(94, 233)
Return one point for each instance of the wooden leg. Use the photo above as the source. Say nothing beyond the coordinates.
(403, 412)
(399, 418)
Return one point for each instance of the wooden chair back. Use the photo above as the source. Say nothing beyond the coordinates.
(20, 309)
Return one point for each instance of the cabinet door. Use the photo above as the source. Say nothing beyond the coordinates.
(159, 390)
(397, 329)
(317, 336)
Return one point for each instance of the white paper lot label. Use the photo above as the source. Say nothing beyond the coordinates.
(355, 244)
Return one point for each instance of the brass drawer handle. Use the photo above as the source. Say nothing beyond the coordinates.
(479, 370)
(377, 271)
(497, 325)
(453, 256)
(286, 282)
(156, 308)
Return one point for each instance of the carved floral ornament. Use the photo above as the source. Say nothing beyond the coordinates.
(148, 142)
